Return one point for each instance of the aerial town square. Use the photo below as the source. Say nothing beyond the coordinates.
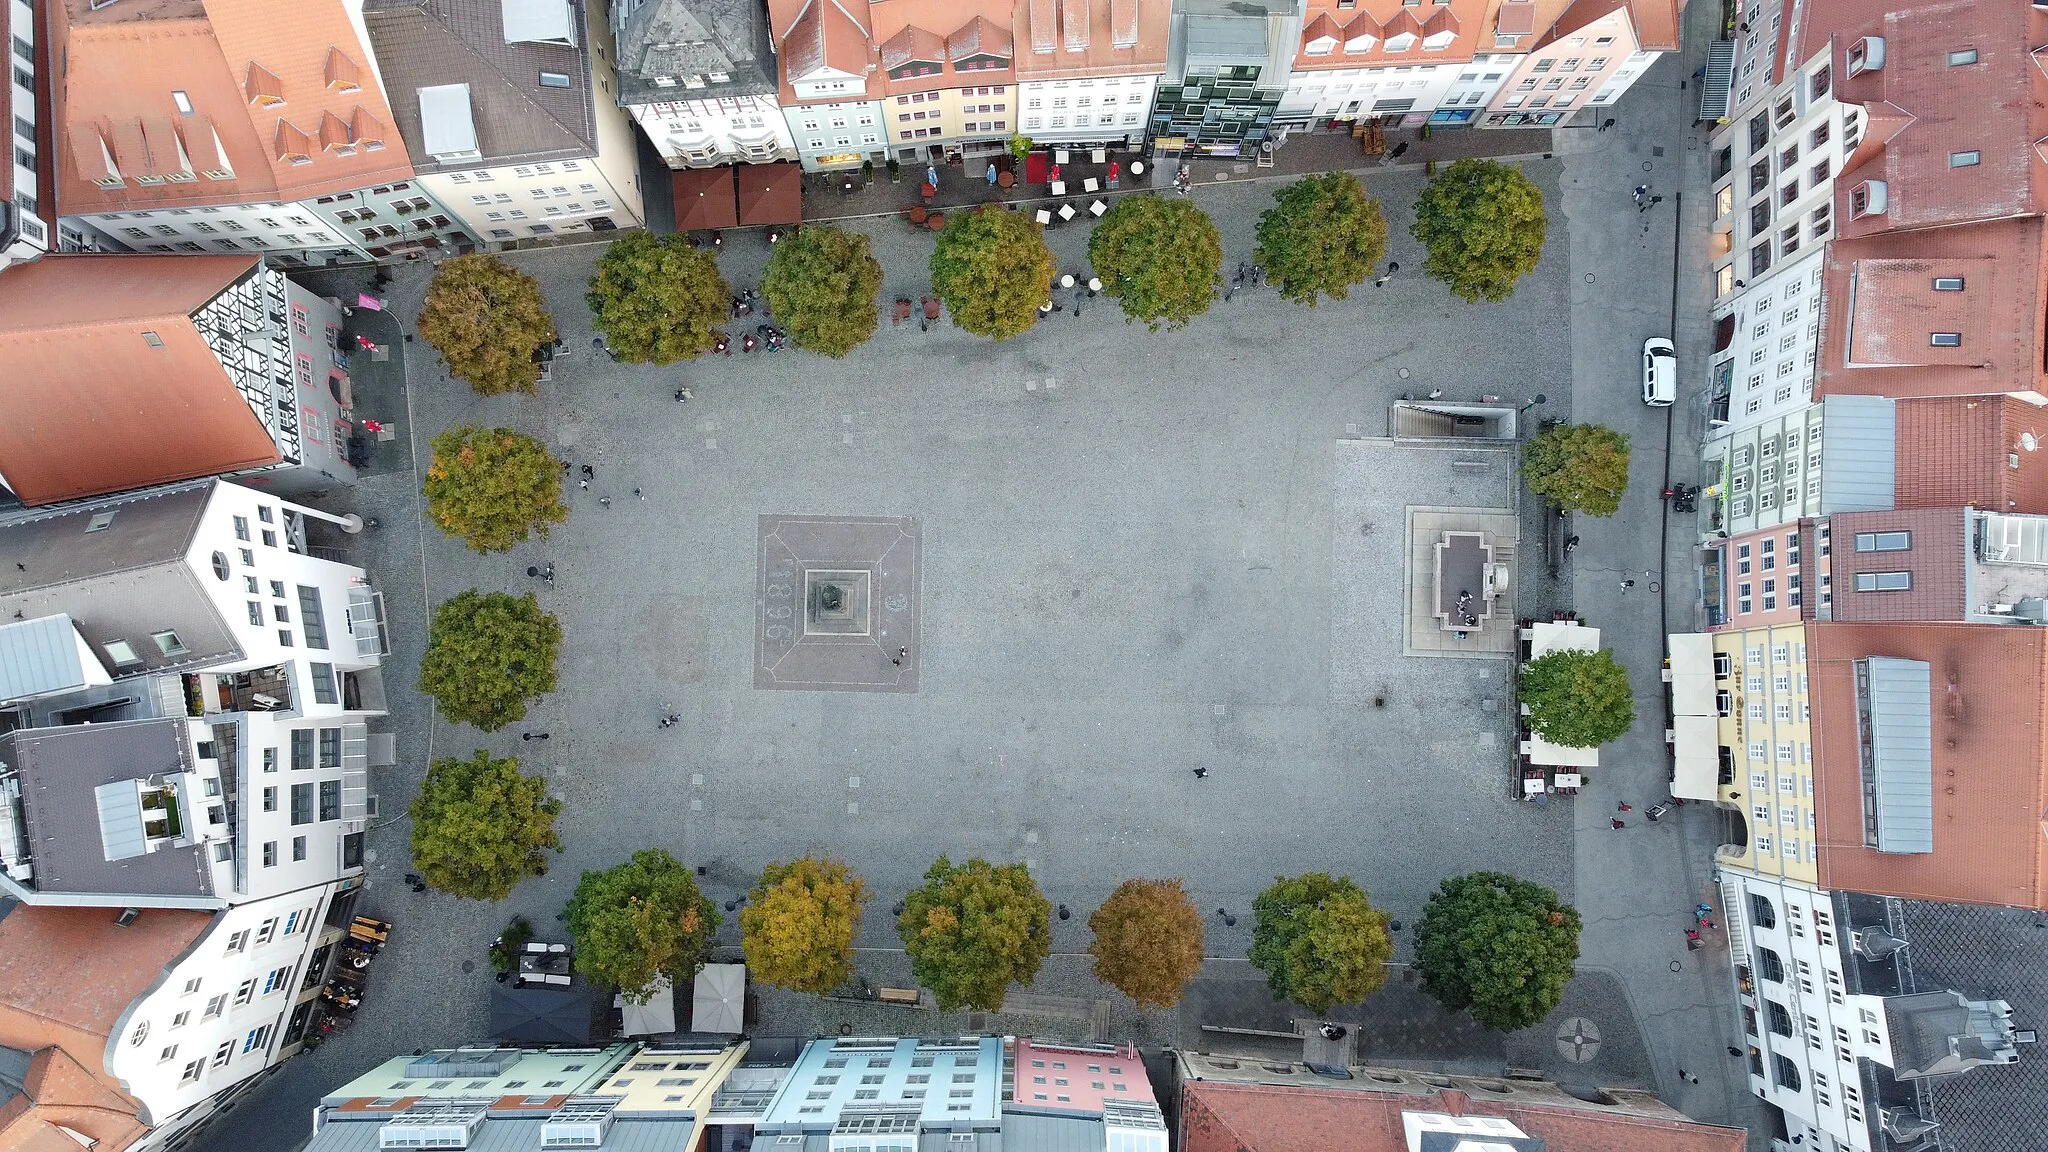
(1136, 575)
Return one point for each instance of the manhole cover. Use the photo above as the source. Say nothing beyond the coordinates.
(468, 966)
(1578, 1040)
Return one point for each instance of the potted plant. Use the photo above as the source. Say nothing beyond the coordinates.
(510, 943)
(867, 171)
(1020, 147)
(895, 171)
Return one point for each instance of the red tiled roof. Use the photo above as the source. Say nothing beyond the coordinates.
(60, 1094)
(1937, 561)
(1958, 450)
(1221, 1117)
(1990, 713)
(1883, 309)
(81, 370)
(1995, 106)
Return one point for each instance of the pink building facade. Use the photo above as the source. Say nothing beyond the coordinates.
(1080, 1078)
(1773, 575)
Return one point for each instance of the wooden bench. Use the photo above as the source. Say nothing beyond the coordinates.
(897, 995)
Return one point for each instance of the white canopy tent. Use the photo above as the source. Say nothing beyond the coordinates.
(720, 1004)
(1695, 719)
(657, 1017)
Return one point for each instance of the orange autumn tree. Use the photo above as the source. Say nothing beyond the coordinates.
(799, 924)
(493, 487)
(1148, 941)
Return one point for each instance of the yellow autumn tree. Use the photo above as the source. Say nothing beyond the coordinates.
(799, 923)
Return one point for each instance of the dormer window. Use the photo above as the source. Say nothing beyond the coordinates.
(1867, 199)
(263, 88)
(1866, 55)
(341, 73)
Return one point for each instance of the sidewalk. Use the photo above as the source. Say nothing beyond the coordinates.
(965, 186)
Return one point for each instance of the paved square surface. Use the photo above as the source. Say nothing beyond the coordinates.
(838, 604)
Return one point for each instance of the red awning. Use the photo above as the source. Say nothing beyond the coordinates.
(704, 198)
(771, 194)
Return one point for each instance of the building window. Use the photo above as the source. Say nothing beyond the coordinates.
(311, 621)
(554, 80)
(1948, 283)
(1945, 339)
(298, 847)
(1884, 581)
(1962, 56)
(1964, 159)
(1884, 541)
(302, 812)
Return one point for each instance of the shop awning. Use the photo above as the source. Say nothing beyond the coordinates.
(1546, 637)
(703, 198)
(1541, 751)
(719, 1004)
(1691, 674)
(1696, 751)
(771, 194)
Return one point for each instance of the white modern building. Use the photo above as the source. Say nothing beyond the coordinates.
(247, 665)
(1444, 94)
(699, 78)
(509, 111)
(1088, 110)
(1768, 340)
(24, 234)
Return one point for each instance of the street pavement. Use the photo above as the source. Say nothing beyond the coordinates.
(1128, 572)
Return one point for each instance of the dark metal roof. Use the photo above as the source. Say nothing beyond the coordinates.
(60, 769)
(125, 581)
(430, 43)
(548, 1015)
(1901, 769)
(680, 39)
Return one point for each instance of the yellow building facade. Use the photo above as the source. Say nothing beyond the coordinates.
(1766, 737)
(673, 1078)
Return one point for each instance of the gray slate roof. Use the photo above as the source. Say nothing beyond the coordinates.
(428, 43)
(1027, 1131)
(13, 1072)
(1985, 953)
(682, 38)
(59, 769)
(124, 582)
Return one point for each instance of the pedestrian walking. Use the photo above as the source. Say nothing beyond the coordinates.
(604, 501)
(1640, 191)
(583, 484)
(903, 653)
(683, 395)
(1735, 1052)
(1618, 825)
(640, 494)
(589, 473)
(1624, 806)
(1201, 773)
(1258, 275)
(990, 172)
(1627, 584)
(931, 175)
(534, 735)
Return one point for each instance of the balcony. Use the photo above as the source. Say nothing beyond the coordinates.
(263, 690)
(160, 819)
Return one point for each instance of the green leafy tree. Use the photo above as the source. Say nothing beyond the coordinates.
(479, 827)
(656, 299)
(1323, 235)
(487, 655)
(641, 920)
(1148, 941)
(1582, 467)
(493, 487)
(487, 321)
(993, 270)
(1483, 224)
(1320, 941)
(1496, 945)
(799, 923)
(1578, 699)
(1158, 257)
(974, 929)
(821, 283)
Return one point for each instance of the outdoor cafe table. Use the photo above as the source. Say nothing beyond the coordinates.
(1066, 211)
(1059, 187)
(1042, 216)
(1098, 208)
(1091, 184)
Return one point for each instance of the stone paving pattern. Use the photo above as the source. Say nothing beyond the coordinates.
(1128, 572)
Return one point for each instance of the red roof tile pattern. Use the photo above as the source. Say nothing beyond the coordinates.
(60, 1096)
(1937, 560)
(243, 71)
(1883, 311)
(1952, 452)
(1121, 38)
(1990, 713)
(1220, 1117)
(75, 334)
(1967, 152)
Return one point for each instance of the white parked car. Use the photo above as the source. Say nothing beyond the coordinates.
(1660, 373)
